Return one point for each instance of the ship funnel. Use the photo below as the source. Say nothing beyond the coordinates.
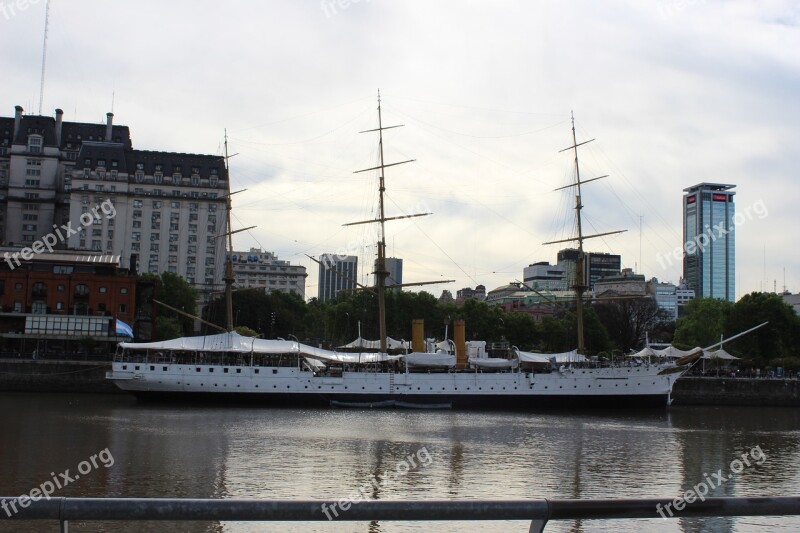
(460, 338)
(418, 335)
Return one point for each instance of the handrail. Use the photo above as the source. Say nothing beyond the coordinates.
(538, 511)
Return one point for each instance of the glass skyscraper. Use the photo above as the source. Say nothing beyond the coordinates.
(709, 251)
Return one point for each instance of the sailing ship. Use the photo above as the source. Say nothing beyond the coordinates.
(457, 374)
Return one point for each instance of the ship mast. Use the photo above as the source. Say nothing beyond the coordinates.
(380, 268)
(229, 278)
(580, 285)
(380, 271)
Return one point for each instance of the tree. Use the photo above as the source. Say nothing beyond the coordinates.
(176, 292)
(703, 323)
(246, 332)
(168, 327)
(627, 321)
(778, 339)
(560, 333)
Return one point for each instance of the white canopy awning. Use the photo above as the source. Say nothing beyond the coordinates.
(719, 354)
(670, 351)
(233, 342)
(564, 357)
(365, 344)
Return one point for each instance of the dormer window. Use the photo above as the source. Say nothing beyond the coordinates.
(213, 181)
(176, 177)
(114, 163)
(87, 162)
(158, 177)
(196, 170)
(101, 163)
(158, 168)
(35, 144)
(139, 166)
(139, 176)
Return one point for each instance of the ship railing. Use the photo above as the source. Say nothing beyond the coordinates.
(536, 512)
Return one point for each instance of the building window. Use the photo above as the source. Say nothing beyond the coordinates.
(123, 290)
(35, 144)
(122, 308)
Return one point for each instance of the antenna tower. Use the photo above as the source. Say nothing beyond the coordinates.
(44, 53)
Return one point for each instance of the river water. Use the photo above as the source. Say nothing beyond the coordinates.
(121, 448)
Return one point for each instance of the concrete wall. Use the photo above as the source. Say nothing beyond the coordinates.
(736, 391)
(55, 376)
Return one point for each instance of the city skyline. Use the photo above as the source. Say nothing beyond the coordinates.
(706, 95)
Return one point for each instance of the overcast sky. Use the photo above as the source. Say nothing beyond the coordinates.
(674, 92)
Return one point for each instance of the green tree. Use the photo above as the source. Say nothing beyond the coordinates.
(176, 292)
(778, 339)
(627, 321)
(168, 327)
(246, 332)
(703, 323)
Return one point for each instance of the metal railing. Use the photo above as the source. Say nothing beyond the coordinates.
(538, 512)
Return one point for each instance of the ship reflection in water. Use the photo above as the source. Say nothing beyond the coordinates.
(251, 452)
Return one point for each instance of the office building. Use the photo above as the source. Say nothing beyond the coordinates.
(625, 284)
(394, 266)
(709, 258)
(51, 303)
(164, 208)
(597, 265)
(336, 273)
(543, 275)
(258, 269)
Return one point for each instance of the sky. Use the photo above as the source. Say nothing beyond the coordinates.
(674, 93)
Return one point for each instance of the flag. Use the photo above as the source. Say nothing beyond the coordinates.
(124, 329)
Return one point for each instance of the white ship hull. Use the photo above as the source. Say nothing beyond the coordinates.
(633, 387)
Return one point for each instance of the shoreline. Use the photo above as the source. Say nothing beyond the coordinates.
(48, 376)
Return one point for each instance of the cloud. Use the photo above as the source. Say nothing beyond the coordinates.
(674, 92)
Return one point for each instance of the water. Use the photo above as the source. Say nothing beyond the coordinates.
(255, 452)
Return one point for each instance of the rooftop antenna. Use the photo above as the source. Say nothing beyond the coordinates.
(640, 240)
(44, 53)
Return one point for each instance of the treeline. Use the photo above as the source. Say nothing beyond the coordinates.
(776, 344)
(612, 328)
(337, 322)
